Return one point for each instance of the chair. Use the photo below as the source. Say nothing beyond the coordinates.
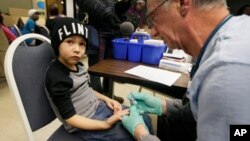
(19, 33)
(44, 31)
(25, 72)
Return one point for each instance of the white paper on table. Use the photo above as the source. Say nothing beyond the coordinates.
(154, 74)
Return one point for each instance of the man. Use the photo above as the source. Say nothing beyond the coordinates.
(99, 11)
(102, 16)
(53, 15)
(30, 25)
(219, 93)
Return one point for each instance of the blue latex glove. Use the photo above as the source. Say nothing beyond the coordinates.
(146, 103)
(131, 121)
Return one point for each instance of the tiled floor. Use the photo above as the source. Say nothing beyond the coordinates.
(11, 128)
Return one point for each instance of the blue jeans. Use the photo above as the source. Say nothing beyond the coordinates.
(116, 133)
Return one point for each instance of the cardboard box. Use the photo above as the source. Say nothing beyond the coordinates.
(18, 12)
(10, 20)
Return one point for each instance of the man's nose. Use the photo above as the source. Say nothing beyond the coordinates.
(154, 31)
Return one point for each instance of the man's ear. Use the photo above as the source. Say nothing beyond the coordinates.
(184, 7)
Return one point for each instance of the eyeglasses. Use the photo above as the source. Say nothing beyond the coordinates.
(140, 3)
(148, 17)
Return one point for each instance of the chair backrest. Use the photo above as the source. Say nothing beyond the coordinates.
(19, 33)
(44, 31)
(25, 69)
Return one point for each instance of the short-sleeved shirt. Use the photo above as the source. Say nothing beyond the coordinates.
(69, 92)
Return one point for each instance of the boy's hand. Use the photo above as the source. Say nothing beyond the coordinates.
(116, 117)
(114, 105)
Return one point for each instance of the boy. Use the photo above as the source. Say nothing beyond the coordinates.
(83, 111)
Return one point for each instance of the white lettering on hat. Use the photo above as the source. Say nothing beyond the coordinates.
(66, 31)
(80, 28)
(86, 32)
(74, 28)
(77, 28)
(60, 33)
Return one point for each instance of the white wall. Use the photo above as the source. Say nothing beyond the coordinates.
(24, 4)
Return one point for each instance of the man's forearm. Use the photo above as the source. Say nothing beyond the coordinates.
(141, 134)
(177, 110)
(149, 138)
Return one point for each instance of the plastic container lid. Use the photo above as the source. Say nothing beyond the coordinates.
(154, 42)
(133, 40)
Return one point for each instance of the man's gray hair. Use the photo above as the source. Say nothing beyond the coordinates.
(202, 3)
(209, 3)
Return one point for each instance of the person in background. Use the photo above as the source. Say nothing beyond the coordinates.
(219, 92)
(83, 111)
(244, 10)
(121, 8)
(99, 11)
(9, 35)
(53, 14)
(101, 15)
(30, 25)
(136, 14)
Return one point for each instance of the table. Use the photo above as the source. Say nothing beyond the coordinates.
(114, 70)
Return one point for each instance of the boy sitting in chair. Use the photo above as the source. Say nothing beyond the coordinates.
(83, 111)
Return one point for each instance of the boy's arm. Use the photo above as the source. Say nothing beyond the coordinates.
(91, 124)
(101, 96)
(87, 124)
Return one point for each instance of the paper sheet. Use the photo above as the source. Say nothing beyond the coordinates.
(154, 74)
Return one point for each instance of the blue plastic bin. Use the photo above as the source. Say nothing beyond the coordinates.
(137, 52)
(134, 52)
(135, 49)
(152, 54)
(120, 47)
(141, 36)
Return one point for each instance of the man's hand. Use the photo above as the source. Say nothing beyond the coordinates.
(133, 120)
(112, 20)
(146, 103)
